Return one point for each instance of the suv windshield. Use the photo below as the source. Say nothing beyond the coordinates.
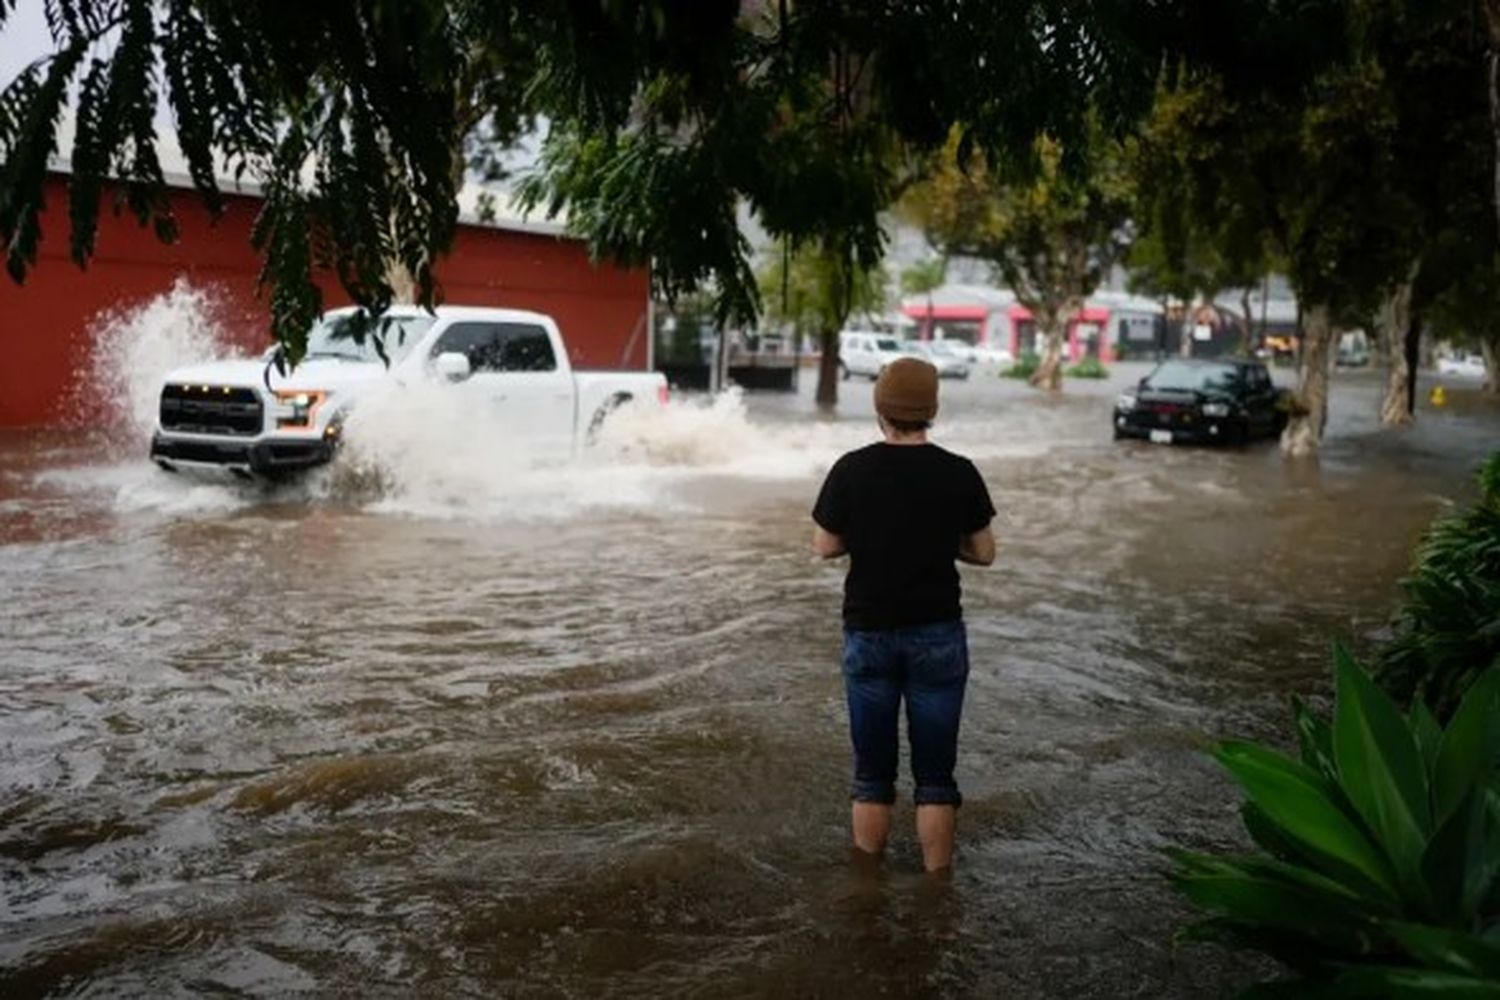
(335, 337)
(887, 344)
(1181, 375)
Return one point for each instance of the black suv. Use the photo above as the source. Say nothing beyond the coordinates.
(1206, 401)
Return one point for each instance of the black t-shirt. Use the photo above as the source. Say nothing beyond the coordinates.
(901, 510)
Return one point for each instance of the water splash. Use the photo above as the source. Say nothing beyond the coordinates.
(133, 348)
(423, 449)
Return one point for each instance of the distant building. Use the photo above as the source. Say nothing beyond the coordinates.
(1111, 325)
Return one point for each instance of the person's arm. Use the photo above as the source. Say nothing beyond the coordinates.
(831, 514)
(977, 549)
(976, 540)
(826, 543)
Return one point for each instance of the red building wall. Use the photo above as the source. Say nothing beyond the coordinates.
(45, 323)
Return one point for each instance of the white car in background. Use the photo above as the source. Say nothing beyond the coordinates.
(1469, 365)
(942, 354)
(865, 352)
(246, 417)
(981, 355)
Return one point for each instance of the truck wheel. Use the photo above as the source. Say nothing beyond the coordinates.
(612, 404)
(843, 371)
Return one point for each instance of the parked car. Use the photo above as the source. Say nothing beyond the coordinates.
(1204, 401)
(1469, 365)
(979, 355)
(941, 354)
(865, 352)
(245, 417)
(1353, 352)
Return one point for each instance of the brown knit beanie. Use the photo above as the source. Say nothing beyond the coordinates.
(907, 390)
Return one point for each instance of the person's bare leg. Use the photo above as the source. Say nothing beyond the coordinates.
(936, 829)
(872, 825)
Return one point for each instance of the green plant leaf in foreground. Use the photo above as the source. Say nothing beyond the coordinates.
(1315, 737)
(1454, 867)
(1464, 954)
(1305, 806)
(1470, 749)
(1380, 769)
(1429, 737)
(1377, 982)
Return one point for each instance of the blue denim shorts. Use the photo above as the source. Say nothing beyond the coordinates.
(927, 667)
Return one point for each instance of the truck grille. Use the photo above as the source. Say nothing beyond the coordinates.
(211, 409)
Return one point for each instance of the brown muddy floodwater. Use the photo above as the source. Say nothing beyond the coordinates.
(460, 729)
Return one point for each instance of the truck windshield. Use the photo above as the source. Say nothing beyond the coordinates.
(346, 336)
(1193, 378)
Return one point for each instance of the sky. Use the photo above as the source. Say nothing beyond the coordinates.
(24, 38)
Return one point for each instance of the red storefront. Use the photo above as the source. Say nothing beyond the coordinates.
(1012, 327)
(44, 334)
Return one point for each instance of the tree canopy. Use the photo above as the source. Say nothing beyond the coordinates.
(665, 118)
(1051, 234)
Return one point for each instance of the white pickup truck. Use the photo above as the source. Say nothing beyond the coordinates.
(246, 417)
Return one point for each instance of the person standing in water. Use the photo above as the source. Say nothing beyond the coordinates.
(904, 510)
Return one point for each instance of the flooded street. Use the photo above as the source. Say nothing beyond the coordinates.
(470, 730)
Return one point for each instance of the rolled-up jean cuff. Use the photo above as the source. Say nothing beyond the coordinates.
(938, 795)
(874, 791)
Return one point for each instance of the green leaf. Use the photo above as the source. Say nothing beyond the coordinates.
(1428, 734)
(1315, 737)
(1348, 906)
(1396, 982)
(1269, 837)
(1470, 747)
(1454, 951)
(1305, 805)
(1380, 769)
(1453, 865)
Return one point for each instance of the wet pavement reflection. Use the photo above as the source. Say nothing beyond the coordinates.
(582, 733)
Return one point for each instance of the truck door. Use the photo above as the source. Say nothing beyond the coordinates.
(516, 372)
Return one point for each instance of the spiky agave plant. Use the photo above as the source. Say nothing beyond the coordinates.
(1448, 628)
(1379, 848)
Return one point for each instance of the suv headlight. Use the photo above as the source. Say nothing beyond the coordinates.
(1216, 409)
(304, 404)
(1126, 401)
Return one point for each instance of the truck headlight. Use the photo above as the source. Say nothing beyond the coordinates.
(304, 404)
(1125, 402)
(1216, 409)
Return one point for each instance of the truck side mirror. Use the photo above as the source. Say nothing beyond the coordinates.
(453, 366)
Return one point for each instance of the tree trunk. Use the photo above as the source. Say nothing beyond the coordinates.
(1303, 436)
(1391, 325)
(1247, 331)
(403, 283)
(1490, 348)
(828, 370)
(1048, 374)
(1413, 353)
(1189, 324)
(1492, 64)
